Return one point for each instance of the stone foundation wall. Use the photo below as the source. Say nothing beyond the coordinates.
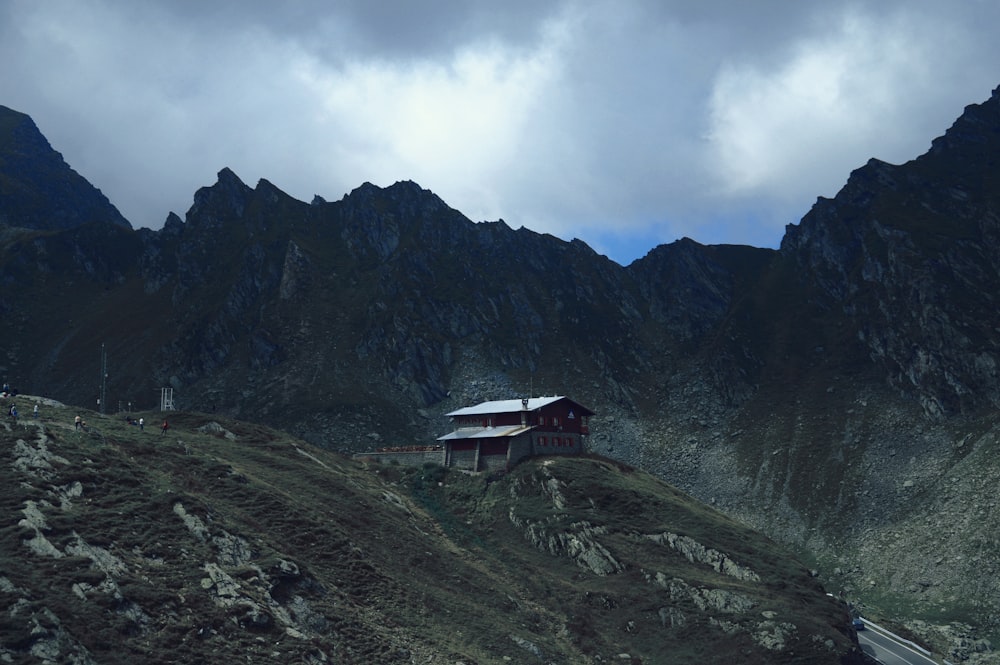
(405, 457)
(463, 459)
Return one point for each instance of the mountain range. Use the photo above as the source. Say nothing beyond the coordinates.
(838, 394)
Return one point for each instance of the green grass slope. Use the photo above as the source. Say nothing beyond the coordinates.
(221, 541)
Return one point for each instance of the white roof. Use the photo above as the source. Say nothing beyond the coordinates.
(485, 432)
(505, 406)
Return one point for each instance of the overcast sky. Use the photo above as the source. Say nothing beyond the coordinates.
(625, 123)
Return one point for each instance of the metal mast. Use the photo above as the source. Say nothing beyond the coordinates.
(104, 380)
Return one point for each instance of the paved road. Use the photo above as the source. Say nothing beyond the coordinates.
(888, 651)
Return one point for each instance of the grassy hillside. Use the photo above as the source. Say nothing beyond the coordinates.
(221, 541)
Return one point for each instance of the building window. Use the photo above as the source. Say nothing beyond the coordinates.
(541, 440)
(541, 420)
(555, 421)
(568, 441)
(556, 441)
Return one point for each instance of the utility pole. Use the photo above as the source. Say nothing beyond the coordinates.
(104, 380)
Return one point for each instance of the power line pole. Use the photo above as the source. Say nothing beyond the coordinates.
(104, 380)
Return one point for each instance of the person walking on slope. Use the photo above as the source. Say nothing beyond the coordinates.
(164, 427)
(142, 425)
(36, 410)
(77, 421)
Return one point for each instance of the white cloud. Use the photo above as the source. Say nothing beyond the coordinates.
(800, 125)
(456, 123)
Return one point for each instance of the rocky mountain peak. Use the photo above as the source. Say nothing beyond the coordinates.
(378, 220)
(226, 199)
(38, 190)
(173, 224)
(911, 255)
(977, 130)
(405, 194)
(19, 129)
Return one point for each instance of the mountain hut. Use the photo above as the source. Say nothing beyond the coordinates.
(496, 435)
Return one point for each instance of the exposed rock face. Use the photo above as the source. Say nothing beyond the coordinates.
(697, 584)
(696, 552)
(911, 255)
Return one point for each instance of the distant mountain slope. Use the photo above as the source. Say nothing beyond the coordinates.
(38, 190)
(231, 542)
